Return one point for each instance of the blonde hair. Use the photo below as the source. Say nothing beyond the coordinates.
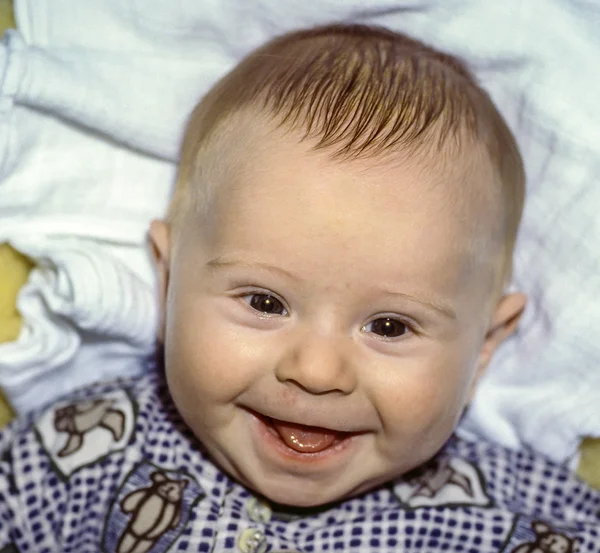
(357, 91)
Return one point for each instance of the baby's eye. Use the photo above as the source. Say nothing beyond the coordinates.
(264, 303)
(386, 327)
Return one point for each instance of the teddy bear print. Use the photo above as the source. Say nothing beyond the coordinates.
(154, 511)
(547, 541)
(77, 419)
(437, 476)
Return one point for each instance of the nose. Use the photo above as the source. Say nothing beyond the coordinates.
(318, 365)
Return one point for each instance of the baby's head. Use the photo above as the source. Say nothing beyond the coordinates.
(334, 259)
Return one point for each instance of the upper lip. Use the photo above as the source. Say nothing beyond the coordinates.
(311, 423)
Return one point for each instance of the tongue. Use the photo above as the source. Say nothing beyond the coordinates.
(305, 439)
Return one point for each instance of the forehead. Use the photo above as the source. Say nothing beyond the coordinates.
(267, 165)
(410, 217)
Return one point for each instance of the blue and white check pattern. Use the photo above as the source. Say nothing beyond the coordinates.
(495, 500)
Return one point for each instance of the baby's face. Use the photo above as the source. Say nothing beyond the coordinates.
(324, 326)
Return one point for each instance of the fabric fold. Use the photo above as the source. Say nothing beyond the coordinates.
(86, 317)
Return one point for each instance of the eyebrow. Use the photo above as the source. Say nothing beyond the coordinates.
(223, 262)
(432, 303)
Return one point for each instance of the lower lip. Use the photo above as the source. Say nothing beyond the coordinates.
(270, 437)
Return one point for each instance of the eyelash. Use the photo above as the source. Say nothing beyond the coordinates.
(248, 296)
(266, 296)
(409, 328)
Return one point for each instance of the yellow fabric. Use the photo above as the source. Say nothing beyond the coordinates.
(6, 413)
(14, 271)
(7, 19)
(9, 320)
(589, 465)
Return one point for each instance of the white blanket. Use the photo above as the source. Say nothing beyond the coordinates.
(94, 96)
(87, 317)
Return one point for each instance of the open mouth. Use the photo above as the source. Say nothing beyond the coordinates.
(302, 438)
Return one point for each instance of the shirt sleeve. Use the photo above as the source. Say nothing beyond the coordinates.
(12, 524)
(29, 506)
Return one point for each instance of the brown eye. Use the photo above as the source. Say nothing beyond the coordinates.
(267, 304)
(386, 327)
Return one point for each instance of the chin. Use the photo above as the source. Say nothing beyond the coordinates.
(300, 497)
(304, 492)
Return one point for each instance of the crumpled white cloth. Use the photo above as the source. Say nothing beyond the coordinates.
(123, 77)
(79, 205)
(152, 59)
(86, 317)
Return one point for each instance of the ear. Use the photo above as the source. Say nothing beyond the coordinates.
(503, 323)
(160, 240)
(540, 528)
(158, 477)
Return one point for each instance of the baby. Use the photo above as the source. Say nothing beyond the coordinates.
(332, 275)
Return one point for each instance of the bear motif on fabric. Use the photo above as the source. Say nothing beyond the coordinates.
(547, 541)
(442, 482)
(155, 510)
(437, 476)
(77, 419)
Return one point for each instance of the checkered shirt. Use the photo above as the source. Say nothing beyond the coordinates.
(114, 469)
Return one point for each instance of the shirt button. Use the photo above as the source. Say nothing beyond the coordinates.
(252, 540)
(258, 511)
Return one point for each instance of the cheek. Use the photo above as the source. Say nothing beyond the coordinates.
(210, 356)
(426, 395)
(198, 351)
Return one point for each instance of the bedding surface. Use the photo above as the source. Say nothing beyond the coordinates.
(7, 19)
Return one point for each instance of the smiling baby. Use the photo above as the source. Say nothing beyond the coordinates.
(332, 281)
